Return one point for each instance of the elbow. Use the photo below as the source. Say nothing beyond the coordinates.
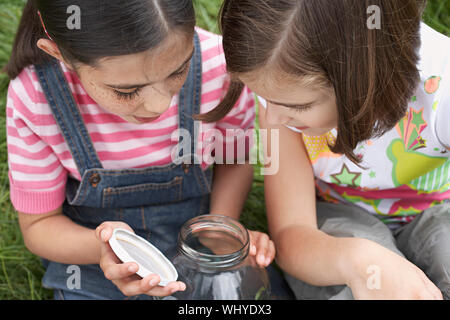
(293, 244)
(284, 252)
(27, 230)
(283, 258)
(28, 242)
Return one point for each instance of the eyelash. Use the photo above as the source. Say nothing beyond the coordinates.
(128, 95)
(134, 94)
(179, 74)
(301, 109)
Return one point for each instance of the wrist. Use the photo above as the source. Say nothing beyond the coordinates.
(353, 259)
(230, 182)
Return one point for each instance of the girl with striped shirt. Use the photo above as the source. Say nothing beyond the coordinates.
(97, 96)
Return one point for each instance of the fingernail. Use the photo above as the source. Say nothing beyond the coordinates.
(267, 261)
(154, 282)
(182, 287)
(103, 234)
(260, 259)
(132, 268)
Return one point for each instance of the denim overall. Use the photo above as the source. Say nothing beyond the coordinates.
(154, 201)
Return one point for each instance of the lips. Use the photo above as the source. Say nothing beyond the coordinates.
(302, 128)
(146, 120)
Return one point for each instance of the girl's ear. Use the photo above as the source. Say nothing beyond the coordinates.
(52, 49)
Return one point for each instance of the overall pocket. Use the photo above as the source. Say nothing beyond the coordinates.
(143, 194)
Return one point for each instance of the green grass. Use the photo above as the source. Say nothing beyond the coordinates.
(437, 15)
(20, 271)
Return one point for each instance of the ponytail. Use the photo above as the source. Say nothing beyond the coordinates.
(233, 94)
(25, 51)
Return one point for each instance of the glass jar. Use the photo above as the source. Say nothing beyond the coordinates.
(213, 261)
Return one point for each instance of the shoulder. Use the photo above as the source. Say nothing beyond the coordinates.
(434, 66)
(27, 100)
(433, 91)
(24, 85)
(209, 40)
(213, 58)
(24, 95)
(215, 78)
(434, 63)
(434, 51)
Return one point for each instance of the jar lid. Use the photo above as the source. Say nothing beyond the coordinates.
(130, 247)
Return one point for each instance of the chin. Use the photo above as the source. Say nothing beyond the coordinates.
(130, 119)
(316, 132)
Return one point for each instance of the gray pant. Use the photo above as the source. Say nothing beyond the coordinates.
(425, 242)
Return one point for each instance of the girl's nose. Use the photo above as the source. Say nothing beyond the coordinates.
(157, 100)
(275, 116)
(158, 105)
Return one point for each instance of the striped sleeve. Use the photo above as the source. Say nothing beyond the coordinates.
(37, 178)
(442, 105)
(237, 129)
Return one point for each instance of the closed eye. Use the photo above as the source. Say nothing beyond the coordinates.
(295, 107)
(127, 95)
(180, 73)
(301, 108)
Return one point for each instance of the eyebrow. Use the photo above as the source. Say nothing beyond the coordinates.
(138, 86)
(294, 106)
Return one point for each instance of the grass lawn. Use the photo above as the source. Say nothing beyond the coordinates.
(20, 271)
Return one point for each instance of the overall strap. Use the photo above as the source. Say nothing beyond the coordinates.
(70, 121)
(65, 111)
(190, 97)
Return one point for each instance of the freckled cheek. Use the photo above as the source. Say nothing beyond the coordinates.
(324, 120)
(325, 117)
(119, 108)
(107, 100)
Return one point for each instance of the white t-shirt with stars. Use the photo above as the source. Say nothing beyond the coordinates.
(407, 170)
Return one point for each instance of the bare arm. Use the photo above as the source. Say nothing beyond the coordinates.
(55, 237)
(231, 185)
(317, 258)
(302, 250)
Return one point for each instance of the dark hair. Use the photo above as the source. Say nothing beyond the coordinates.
(372, 71)
(108, 28)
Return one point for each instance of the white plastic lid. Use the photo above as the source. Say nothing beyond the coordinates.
(130, 247)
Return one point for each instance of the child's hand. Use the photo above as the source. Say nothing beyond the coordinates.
(380, 273)
(262, 248)
(123, 275)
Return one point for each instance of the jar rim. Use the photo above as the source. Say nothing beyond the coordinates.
(220, 223)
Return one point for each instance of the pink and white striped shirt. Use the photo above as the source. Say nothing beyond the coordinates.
(40, 161)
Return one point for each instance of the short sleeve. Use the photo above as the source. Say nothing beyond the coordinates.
(442, 107)
(37, 177)
(237, 129)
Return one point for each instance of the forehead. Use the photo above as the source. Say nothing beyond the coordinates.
(279, 86)
(150, 65)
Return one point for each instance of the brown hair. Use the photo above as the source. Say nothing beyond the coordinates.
(372, 71)
(108, 28)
